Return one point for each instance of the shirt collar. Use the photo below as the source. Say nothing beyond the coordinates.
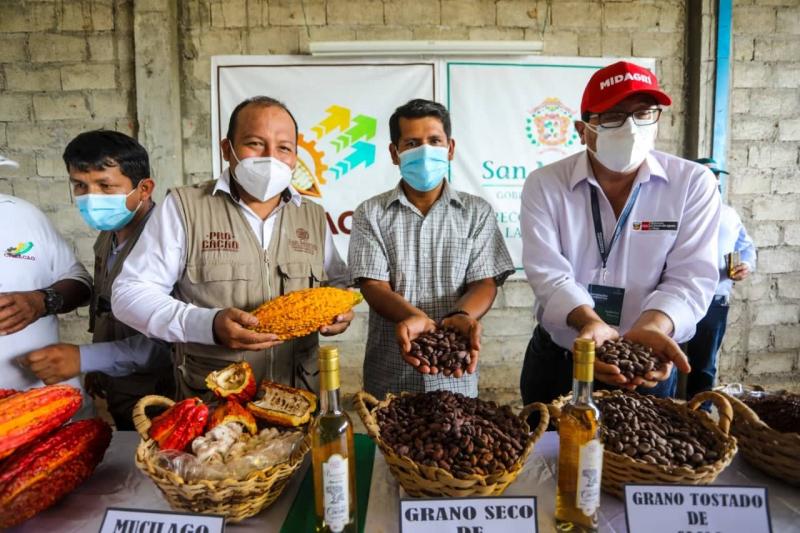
(449, 195)
(651, 168)
(224, 184)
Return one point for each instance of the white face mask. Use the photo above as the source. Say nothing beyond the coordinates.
(262, 177)
(623, 149)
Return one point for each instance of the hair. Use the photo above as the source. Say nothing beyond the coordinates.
(264, 101)
(418, 108)
(101, 149)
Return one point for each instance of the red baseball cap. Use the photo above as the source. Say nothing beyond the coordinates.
(614, 83)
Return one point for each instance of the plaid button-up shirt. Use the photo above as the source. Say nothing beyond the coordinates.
(428, 260)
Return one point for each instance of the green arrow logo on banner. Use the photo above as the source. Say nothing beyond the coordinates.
(364, 127)
(363, 153)
(338, 118)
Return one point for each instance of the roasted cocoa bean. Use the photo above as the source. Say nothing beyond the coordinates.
(633, 359)
(478, 438)
(444, 350)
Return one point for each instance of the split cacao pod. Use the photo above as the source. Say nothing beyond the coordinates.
(41, 473)
(24, 416)
(232, 411)
(234, 382)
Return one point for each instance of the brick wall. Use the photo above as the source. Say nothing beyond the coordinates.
(763, 340)
(67, 66)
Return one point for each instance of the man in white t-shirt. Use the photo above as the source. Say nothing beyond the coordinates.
(39, 278)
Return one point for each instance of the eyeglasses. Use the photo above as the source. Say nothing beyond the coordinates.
(642, 117)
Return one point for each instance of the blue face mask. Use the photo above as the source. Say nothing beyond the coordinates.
(424, 167)
(105, 212)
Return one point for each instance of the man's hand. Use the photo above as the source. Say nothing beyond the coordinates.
(54, 363)
(600, 332)
(340, 323)
(20, 309)
(740, 272)
(471, 329)
(408, 330)
(230, 330)
(663, 347)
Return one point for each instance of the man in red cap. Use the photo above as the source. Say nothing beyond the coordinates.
(619, 239)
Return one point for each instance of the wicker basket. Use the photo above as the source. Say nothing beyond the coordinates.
(420, 480)
(620, 470)
(773, 452)
(234, 499)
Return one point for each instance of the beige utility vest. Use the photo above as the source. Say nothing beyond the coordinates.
(226, 266)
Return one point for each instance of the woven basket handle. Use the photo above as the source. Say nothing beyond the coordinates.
(740, 409)
(365, 401)
(544, 417)
(722, 404)
(140, 419)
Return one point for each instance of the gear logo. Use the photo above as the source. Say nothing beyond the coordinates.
(312, 170)
(549, 126)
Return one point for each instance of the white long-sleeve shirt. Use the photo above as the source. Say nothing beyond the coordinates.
(670, 270)
(141, 293)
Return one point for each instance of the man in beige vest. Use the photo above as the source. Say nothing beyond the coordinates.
(216, 250)
(109, 173)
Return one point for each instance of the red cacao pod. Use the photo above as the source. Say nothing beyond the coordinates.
(27, 415)
(41, 473)
(234, 382)
(176, 427)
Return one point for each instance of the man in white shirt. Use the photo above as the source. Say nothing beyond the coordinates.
(39, 278)
(618, 239)
(214, 251)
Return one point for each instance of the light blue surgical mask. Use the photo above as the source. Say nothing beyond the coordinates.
(105, 212)
(424, 167)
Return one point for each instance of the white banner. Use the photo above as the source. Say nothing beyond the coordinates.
(342, 110)
(509, 117)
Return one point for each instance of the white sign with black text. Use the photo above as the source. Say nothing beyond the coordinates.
(117, 520)
(696, 509)
(469, 515)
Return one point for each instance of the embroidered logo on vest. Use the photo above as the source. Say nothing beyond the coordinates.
(220, 241)
(303, 245)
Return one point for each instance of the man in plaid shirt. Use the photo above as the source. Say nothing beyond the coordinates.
(423, 253)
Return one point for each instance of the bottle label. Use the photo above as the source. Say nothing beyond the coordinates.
(590, 469)
(336, 492)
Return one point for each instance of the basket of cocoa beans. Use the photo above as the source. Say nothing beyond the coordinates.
(441, 443)
(767, 426)
(651, 440)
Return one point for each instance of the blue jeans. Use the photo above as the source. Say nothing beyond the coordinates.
(704, 347)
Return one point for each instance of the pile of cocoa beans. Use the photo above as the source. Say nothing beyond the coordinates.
(633, 359)
(464, 436)
(781, 412)
(636, 426)
(444, 350)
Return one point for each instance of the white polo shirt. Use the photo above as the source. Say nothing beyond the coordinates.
(33, 255)
(665, 256)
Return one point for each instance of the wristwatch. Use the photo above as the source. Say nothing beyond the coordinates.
(53, 301)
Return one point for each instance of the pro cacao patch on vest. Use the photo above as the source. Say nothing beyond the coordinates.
(220, 241)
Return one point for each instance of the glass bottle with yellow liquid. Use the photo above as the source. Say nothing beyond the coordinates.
(580, 453)
(333, 453)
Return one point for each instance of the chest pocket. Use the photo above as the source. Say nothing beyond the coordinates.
(225, 285)
(295, 276)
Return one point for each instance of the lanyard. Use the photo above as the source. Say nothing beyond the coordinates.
(598, 223)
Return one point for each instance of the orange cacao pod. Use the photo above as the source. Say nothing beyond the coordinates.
(232, 411)
(27, 415)
(41, 473)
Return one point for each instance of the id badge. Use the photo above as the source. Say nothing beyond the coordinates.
(608, 302)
